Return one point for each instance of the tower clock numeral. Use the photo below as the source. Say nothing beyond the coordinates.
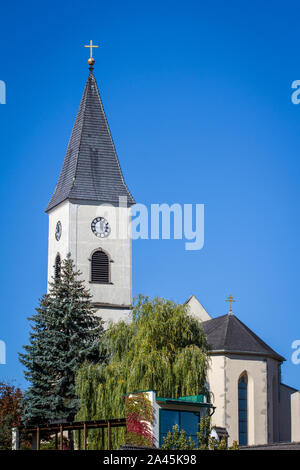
(100, 227)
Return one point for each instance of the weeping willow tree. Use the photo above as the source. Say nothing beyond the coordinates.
(163, 348)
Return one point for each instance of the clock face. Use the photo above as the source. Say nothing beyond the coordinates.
(100, 227)
(58, 230)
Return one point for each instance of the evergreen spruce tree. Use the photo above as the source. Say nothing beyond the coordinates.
(65, 333)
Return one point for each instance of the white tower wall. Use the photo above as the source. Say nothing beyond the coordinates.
(112, 300)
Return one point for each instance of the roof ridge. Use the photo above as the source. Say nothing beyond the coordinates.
(78, 119)
(229, 333)
(111, 137)
(215, 318)
(227, 328)
(257, 338)
(85, 93)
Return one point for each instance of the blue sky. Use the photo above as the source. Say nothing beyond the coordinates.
(198, 98)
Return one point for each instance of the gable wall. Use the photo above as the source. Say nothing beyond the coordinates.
(224, 374)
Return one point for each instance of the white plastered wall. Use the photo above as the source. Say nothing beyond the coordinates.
(62, 213)
(196, 309)
(295, 412)
(223, 376)
(151, 395)
(113, 300)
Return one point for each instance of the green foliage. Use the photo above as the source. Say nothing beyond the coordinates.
(65, 333)
(10, 412)
(203, 435)
(139, 418)
(234, 446)
(204, 439)
(177, 440)
(163, 348)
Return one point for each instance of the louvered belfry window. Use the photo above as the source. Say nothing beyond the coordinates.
(100, 267)
(57, 266)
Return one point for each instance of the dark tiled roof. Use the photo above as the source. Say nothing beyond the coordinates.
(228, 333)
(91, 169)
(222, 432)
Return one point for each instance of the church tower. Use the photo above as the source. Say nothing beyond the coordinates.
(89, 211)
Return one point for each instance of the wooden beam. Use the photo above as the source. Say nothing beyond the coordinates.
(84, 436)
(61, 437)
(108, 435)
(115, 422)
(79, 439)
(37, 438)
(59, 428)
(102, 439)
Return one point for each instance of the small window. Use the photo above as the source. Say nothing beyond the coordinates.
(100, 267)
(57, 266)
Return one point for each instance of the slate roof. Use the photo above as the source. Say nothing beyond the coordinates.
(91, 169)
(228, 333)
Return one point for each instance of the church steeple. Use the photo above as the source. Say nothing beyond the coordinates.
(91, 169)
(86, 217)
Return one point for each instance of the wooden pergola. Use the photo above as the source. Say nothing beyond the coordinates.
(59, 428)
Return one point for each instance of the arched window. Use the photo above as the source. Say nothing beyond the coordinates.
(57, 266)
(243, 409)
(100, 267)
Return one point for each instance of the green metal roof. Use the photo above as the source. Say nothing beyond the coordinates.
(191, 400)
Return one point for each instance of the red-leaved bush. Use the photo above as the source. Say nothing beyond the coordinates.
(10, 412)
(139, 420)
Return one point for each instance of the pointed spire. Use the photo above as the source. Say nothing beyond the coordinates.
(91, 170)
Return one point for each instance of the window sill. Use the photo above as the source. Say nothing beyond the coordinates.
(99, 282)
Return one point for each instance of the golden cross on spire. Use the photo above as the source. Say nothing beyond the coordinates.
(230, 299)
(91, 60)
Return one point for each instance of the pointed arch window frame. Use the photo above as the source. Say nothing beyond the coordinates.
(243, 378)
(110, 260)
